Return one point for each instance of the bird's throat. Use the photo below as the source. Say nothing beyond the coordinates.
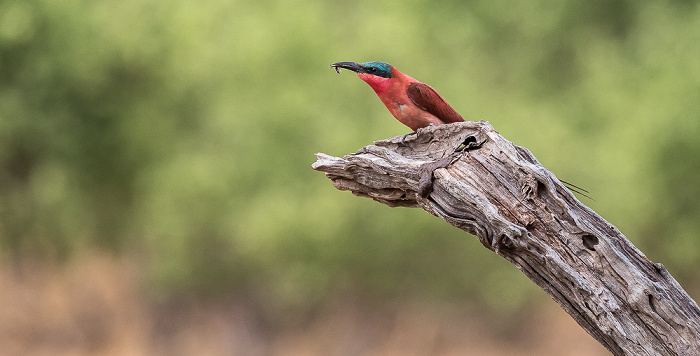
(379, 84)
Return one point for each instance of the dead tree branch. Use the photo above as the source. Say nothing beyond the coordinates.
(476, 180)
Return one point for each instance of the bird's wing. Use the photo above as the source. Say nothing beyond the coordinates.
(429, 100)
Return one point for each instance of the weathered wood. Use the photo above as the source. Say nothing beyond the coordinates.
(476, 180)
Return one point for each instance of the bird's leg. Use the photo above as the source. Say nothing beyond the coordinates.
(403, 138)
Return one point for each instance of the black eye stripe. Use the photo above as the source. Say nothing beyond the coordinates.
(375, 70)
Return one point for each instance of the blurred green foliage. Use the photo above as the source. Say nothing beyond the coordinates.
(184, 131)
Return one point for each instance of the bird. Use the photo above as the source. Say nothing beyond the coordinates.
(413, 103)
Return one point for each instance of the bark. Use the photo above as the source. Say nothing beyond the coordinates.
(473, 178)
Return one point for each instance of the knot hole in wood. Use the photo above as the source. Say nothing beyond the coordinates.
(589, 241)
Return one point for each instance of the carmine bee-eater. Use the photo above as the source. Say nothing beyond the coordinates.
(413, 103)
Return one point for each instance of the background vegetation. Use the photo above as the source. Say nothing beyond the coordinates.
(182, 133)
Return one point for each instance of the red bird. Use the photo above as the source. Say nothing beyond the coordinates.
(413, 103)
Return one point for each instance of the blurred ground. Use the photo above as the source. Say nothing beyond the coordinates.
(94, 306)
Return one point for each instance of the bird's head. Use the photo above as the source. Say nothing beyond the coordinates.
(376, 74)
(379, 69)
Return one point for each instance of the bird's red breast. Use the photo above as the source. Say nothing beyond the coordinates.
(413, 103)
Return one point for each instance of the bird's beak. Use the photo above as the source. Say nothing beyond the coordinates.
(355, 67)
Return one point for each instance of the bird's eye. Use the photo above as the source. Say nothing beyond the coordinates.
(372, 69)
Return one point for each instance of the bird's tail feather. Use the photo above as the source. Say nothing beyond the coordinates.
(576, 189)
